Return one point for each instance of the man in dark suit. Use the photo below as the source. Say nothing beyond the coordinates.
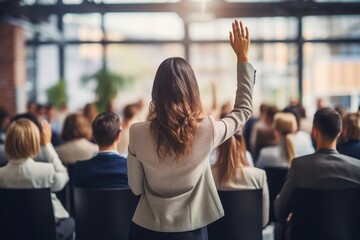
(107, 169)
(325, 169)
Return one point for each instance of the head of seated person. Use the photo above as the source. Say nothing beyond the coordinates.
(22, 140)
(76, 126)
(351, 128)
(106, 129)
(327, 126)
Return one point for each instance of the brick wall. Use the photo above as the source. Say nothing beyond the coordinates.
(12, 67)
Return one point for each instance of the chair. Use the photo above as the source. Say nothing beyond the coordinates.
(326, 214)
(243, 216)
(276, 177)
(27, 214)
(66, 195)
(103, 213)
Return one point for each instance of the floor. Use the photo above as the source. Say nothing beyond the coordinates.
(268, 232)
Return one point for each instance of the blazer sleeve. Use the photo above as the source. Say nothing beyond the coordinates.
(135, 167)
(60, 176)
(265, 200)
(282, 204)
(242, 111)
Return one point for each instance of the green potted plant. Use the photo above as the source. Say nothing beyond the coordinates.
(107, 87)
(56, 94)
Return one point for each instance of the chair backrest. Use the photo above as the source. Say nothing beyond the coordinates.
(103, 213)
(27, 214)
(276, 177)
(243, 216)
(326, 214)
(66, 195)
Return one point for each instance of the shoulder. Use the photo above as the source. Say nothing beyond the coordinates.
(254, 172)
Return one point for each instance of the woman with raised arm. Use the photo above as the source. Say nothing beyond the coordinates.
(168, 161)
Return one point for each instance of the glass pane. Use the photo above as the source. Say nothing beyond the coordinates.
(72, 1)
(260, 28)
(83, 27)
(331, 70)
(27, 2)
(47, 2)
(255, 0)
(139, 62)
(276, 78)
(156, 26)
(47, 70)
(331, 27)
(30, 72)
(80, 60)
(139, 1)
(49, 30)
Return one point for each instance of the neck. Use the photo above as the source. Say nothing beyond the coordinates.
(326, 144)
(112, 147)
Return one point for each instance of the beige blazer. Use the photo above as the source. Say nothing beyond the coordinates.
(182, 196)
(247, 178)
(75, 150)
(26, 173)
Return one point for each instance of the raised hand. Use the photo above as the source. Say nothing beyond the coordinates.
(240, 41)
(45, 133)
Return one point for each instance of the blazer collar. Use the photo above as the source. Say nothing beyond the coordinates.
(327, 151)
(20, 161)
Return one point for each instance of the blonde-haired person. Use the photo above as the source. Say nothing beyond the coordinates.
(281, 154)
(76, 135)
(168, 161)
(351, 135)
(22, 143)
(233, 171)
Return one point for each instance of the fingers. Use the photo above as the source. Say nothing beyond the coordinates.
(235, 35)
(231, 38)
(247, 33)
(242, 32)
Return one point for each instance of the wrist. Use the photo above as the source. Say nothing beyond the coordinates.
(242, 59)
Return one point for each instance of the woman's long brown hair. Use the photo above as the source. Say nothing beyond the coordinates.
(175, 108)
(231, 155)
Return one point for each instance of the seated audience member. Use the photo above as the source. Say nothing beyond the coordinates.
(21, 145)
(42, 155)
(90, 112)
(107, 169)
(129, 117)
(351, 135)
(325, 169)
(263, 134)
(280, 155)
(4, 122)
(31, 107)
(225, 110)
(232, 171)
(76, 135)
(302, 140)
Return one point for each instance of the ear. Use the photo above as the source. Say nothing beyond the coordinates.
(315, 133)
(118, 137)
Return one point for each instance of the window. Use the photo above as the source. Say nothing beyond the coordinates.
(331, 27)
(81, 60)
(83, 27)
(154, 26)
(266, 28)
(331, 70)
(276, 78)
(139, 62)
